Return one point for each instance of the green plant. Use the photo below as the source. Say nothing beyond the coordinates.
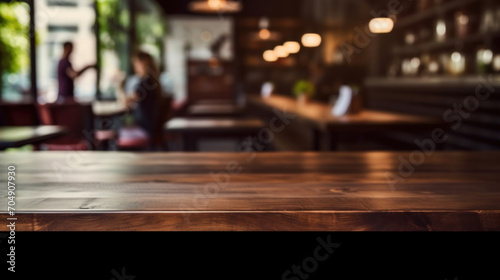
(304, 87)
(14, 41)
(114, 24)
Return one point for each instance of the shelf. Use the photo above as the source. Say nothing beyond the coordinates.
(451, 43)
(425, 15)
(465, 82)
(270, 66)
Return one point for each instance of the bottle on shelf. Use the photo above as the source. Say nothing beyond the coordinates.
(461, 24)
(441, 30)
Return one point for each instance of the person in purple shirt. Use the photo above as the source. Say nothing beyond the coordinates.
(66, 74)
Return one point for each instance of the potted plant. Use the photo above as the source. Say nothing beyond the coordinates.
(304, 90)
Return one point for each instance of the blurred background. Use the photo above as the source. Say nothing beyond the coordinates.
(420, 57)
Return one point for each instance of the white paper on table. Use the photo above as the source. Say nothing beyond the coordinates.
(343, 102)
(267, 90)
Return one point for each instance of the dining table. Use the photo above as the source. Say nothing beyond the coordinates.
(215, 110)
(248, 191)
(193, 130)
(18, 136)
(326, 128)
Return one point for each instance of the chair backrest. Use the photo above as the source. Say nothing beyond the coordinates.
(164, 113)
(18, 114)
(166, 109)
(75, 117)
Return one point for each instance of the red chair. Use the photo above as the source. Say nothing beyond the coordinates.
(18, 114)
(76, 117)
(134, 138)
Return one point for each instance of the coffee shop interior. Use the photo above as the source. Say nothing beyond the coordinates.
(252, 114)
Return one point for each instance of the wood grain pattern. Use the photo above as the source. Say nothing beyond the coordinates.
(94, 191)
(12, 137)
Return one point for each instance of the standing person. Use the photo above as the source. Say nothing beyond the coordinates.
(66, 75)
(146, 99)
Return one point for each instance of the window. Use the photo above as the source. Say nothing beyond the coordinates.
(114, 44)
(56, 22)
(14, 51)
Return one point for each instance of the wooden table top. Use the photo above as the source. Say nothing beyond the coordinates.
(112, 191)
(187, 125)
(320, 115)
(13, 137)
(214, 109)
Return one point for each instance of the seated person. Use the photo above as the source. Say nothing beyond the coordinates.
(145, 100)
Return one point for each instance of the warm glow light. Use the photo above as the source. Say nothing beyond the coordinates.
(415, 63)
(457, 65)
(311, 40)
(410, 38)
(433, 67)
(215, 6)
(462, 19)
(441, 30)
(456, 57)
(263, 23)
(264, 34)
(496, 63)
(486, 56)
(292, 47)
(280, 52)
(381, 25)
(269, 56)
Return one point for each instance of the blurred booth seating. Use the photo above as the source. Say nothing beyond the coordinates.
(76, 117)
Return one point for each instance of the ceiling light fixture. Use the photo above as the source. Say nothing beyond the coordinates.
(381, 25)
(215, 6)
(264, 34)
(269, 56)
(311, 40)
(280, 52)
(292, 47)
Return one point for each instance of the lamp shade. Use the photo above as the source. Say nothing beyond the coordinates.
(215, 6)
(264, 34)
(280, 52)
(311, 40)
(381, 25)
(269, 56)
(292, 47)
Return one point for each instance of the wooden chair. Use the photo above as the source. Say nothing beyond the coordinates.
(76, 117)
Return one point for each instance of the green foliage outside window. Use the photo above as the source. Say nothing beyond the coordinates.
(14, 41)
(114, 24)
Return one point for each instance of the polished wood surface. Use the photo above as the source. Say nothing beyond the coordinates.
(213, 125)
(319, 115)
(192, 130)
(91, 191)
(13, 137)
(209, 110)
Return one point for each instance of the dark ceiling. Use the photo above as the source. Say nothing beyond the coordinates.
(252, 8)
(340, 13)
